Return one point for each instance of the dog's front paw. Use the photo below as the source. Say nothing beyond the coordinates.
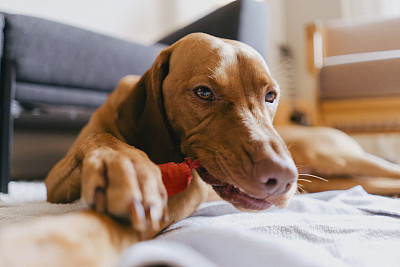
(126, 185)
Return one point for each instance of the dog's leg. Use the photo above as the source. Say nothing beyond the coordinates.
(114, 178)
(330, 152)
(77, 239)
(86, 238)
(340, 164)
(371, 166)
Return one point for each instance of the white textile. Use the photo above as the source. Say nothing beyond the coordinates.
(334, 228)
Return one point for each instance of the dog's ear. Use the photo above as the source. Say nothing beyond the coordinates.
(141, 117)
(159, 71)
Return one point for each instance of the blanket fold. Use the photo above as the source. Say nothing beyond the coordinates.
(335, 228)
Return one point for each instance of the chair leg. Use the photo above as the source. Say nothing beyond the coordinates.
(7, 125)
(5, 157)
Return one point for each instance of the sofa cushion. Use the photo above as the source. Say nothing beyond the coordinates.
(360, 75)
(50, 53)
(50, 94)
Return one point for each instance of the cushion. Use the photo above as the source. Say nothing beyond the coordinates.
(360, 75)
(349, 37)
(47, 52)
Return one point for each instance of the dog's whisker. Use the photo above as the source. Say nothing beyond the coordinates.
(313, 176)
(301, 190)
(305, 180)
(285, 80)
(281, 68)
(302, 165)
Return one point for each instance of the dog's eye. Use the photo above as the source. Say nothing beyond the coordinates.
(270, 97)
(204, 93)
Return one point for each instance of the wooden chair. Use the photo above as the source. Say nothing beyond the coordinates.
(356, 66)
(357, 72)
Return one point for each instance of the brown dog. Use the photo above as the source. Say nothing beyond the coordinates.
(329, 152)
(205, 98)
(334, 155)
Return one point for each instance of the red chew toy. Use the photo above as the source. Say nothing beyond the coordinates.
(177, 176)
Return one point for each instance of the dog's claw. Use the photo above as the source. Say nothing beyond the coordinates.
(153, 217)
(138, 216)
(165, 217)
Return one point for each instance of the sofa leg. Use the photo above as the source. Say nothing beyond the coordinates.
(7, 125)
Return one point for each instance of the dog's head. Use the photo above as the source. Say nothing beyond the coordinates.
(219, 100)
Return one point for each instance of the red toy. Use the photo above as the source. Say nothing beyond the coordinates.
(177, 176)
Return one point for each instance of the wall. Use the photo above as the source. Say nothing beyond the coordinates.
(299, 14)
(365, 8)
(135, 20)
(276, 37)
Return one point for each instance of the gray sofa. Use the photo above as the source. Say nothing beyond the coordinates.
(54, 75)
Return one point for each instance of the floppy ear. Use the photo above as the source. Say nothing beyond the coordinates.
(141, 117)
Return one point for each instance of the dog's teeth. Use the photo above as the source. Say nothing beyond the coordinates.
(241, 190)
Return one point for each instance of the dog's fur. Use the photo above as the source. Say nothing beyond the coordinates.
(161, 117)
(330, 153)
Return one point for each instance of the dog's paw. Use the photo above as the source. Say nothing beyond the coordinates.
(126, 185)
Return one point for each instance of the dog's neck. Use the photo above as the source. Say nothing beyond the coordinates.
(143, 124)
(159, 150)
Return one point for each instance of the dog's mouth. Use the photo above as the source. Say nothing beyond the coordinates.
(233, 194)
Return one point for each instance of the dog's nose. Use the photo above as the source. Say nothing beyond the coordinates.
(277, 175)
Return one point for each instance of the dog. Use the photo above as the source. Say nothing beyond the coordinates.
(204, 98)
(330, 153)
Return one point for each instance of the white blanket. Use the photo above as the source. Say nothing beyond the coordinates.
(27, 201)
(336, 228)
